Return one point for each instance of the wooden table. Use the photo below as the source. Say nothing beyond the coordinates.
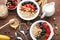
(13, 14)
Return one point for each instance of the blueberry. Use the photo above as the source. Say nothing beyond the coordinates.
(41, 26)
(55, 23)
(12, 3)
(24, 3)
(30, 2)
(42, 33)
(9, 0)
(35, 6)
(44, 30)
(38, 38)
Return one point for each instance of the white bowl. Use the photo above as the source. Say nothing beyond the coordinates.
(51, 28)
(15, 7)
(20, 4)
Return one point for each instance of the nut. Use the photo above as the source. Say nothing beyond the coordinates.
(56, 28)
(54, 19)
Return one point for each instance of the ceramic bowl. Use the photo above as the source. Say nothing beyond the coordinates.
(50, 26)
(20, 4)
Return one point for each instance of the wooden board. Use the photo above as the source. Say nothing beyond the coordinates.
(13, 14)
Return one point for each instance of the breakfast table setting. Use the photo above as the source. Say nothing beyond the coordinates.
(29, 20)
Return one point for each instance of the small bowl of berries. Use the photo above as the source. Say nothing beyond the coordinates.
(28, 9)
(12, 4)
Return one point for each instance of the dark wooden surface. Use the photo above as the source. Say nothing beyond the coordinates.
(13, 14)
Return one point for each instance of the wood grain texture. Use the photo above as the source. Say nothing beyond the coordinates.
(13, 14)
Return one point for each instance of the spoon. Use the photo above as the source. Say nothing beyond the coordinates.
(10, 21)
(17, 38)
(22, 31)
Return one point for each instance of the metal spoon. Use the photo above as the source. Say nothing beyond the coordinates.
(17, 38)
(22, 31)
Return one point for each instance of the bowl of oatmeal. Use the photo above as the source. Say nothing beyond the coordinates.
(28, 10)
(41, 30)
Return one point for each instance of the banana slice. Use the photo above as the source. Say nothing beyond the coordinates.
(15, 24)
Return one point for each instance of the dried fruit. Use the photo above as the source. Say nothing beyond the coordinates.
(11, 4)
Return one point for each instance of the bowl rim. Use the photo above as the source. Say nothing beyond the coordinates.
(18, 12)
(51, 28)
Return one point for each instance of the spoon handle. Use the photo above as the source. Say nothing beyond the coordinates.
(26, 36)
(4, 25)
